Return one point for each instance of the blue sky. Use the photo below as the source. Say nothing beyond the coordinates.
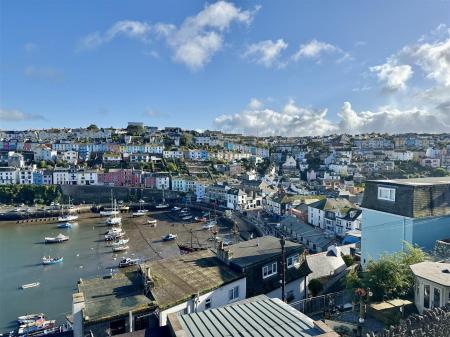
(258, 67)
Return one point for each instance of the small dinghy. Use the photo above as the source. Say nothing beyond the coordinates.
(46, 260)
(30, 285)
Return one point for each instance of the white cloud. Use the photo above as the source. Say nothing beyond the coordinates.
(291, 120)
(17, 116)
(392, 120)
(132, 29)
(393, 76)
(43, 73)
(316, 49)
(266, 52)
(255, 104)
(201, 36)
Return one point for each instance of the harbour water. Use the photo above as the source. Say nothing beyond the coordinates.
(21, 249)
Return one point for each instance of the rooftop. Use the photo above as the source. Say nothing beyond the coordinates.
(433, 271)
(249, 252)
(114, 296)
(416, 181)
(257, 316)
(177, 279)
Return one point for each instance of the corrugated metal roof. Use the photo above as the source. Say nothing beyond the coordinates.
(261, 317)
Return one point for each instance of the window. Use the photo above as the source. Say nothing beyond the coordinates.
(292, 261)
(436, 298)
(269, 270)
(426, 296)
(233, 293)
(208, 303)
(385, 193)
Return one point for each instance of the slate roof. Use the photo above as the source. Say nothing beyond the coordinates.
(177, 279)
(324, 265)
(253, 251)
(333, 204)
(259, 317)
(433, 271)
(414, 198)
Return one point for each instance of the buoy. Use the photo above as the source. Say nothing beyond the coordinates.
(78, 254)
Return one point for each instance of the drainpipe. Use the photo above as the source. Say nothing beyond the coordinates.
(130, 318)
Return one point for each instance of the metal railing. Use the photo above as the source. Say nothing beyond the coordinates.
(322, 303)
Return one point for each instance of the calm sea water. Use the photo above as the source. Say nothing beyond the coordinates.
(21, 249)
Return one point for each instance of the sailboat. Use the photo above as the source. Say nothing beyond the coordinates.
(66, 216)
(141, 211)
(114, 219)
(163, 203)
(113, 211)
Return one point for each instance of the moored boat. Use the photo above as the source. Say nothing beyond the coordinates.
(126, 262)
(46, 260)
(114, 220)
(29, 318)
(65, 225)
(120, 248)
(187, 217)
(169, 237)
(152, 222)
(140, 212)
(30, 285)
(121, 242)
(57, 239)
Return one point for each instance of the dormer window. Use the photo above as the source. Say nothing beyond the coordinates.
(385, 193)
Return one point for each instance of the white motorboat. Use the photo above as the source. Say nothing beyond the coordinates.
(121, 242)
(187, 217)
(30, 285)
(126, 262)
(140, 212)
(152, 222)
(114, 220)
(120, 248)
(169, 237)
(176, 208)
(46, 260)
(30, 318)
(208, 226)
(57, 239)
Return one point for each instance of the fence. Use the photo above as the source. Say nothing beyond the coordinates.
(322, 303)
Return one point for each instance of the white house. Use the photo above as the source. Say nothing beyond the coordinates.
(236, 199)
(70, 157)
(9, 175)
(431, 285)
(60, 176)
(193, 282)
(45, 153)
(26, 175)
(162, 182)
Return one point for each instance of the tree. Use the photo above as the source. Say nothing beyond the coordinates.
(391, 275)
(352, 280)
(439, 172)
(171, 167)
(349, 260)
(92, 127)
(42, 164)
(186, 139)
(315, 287)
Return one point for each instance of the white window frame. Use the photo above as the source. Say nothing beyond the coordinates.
(292, 260)
(268, 273)
(386, 193)
(233, 294)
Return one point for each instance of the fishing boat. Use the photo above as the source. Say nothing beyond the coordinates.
(126, 262)
(65, 225)
(46, 260)
(163, 204)
(30, 285)
(169, 237)
(36, 328)
(66, 216)
(120, 248)
(57, 239)
(121, 242)
(30, 318)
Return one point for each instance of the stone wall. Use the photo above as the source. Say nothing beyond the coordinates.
(442, 249)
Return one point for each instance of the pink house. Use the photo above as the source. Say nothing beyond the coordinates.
(120, 177)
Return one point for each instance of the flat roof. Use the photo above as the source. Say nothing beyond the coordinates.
(415, 181)
(246, 253)
(259, 317)
(436, 272)
(176, 279)
(114, 296)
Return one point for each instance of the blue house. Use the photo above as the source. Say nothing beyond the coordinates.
(404, 210)
(38, 178)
